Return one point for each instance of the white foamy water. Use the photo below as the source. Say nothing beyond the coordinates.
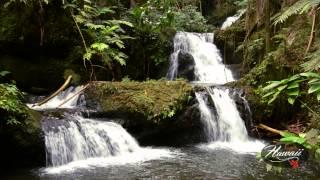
(242, 147)
(223, 125)
(59, 99)
(78, 142)
(209, 65)
(139, 156)
(230, 20)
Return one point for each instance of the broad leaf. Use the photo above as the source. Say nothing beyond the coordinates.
(293, 92)
(293, 85)
(315, 80)
(293, 139)
(310, 74)
(291, 100)
(272, 85)
(314, 88)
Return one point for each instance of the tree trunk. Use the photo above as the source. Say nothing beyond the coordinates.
(267, 25)
(132, 3)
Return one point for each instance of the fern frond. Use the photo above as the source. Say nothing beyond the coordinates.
(299, 7)
(313, 63)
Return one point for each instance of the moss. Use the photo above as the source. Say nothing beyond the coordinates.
(153, 100)
(20, 130)
(16, 115)
(228, 40)
(288, 48)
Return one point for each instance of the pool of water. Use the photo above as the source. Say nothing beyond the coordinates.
(184, 163)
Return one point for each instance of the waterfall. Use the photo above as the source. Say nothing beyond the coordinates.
(209, 65)
(78, 138)
(226, 123)
(72, 141)
(230, 20)
(69, 93)
(222, 123)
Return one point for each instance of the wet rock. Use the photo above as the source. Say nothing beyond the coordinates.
(186, 66)
(154, 112)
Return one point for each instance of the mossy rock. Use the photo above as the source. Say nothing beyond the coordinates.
(154, 112)
(228, 41)
(21, 138)
(153, 100)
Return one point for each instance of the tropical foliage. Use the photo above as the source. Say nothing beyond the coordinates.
(107, 34)
(291, 87)
(12, 109)
(300, 7)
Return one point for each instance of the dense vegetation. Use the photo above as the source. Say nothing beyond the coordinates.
(275, 42)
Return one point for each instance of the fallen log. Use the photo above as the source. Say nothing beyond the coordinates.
(63, 87)
(265, 127)
(64, 102)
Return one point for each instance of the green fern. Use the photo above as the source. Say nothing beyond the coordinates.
(300, 7)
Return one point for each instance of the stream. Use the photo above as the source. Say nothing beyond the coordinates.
(184, 163)
(83, 148)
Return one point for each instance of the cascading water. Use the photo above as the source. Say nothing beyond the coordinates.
(73, 141)
(209, 67)
(230, 20)
(69, 94)
(226, 123)
(77, 139)
(222, 122)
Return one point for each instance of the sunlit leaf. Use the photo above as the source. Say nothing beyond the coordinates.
(272, 85)
(291, 100)
(99, 46)
(310, 74)
(313, 88)
(293, 139)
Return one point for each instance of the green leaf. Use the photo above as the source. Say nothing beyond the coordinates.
(287, 134)
(314, 88)
(291, 100)
(268, 94)
(94, 26)
(315, 80)
(99, 46)
(293, 85)
(293, 92)
(282, 87)
(274, 97)
(293, 139)
(302, 135)
(4, 73)
(310, 74)
(272, 85)
(294, 77)
(87, 56)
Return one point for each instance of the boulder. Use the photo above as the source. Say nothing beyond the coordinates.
(155, 112)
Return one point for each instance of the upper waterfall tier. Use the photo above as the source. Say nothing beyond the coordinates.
(208, 63)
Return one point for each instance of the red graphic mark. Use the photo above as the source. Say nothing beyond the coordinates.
(294, 163)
